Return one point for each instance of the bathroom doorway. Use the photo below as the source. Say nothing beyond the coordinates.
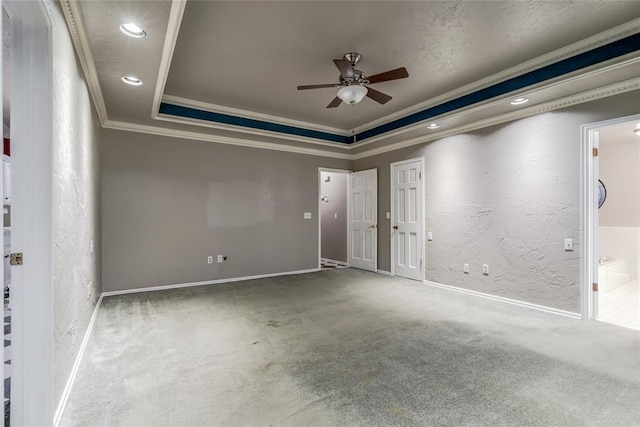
(617, 224)
(332, 214)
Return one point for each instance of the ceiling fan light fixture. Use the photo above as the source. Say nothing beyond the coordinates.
(637, 131)
(133, 30)
(352, 94)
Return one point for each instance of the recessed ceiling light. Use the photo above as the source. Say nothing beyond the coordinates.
(519, 101)
(130, 80)
(132, 30)
(433, 126)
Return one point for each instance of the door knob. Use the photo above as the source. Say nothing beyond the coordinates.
(395, 227)
(373, 226)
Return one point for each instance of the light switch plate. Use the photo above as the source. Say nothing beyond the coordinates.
(465, 268)
(429, 236)
(307, 215)
(568, 245)
(388, 215)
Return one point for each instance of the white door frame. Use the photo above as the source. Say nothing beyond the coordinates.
(588, 226)
(32, 214)
(320, 170)
(421, 243)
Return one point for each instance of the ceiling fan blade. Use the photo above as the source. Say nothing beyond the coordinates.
(333, 104)
(345, 67)
(316, 86)
(398, 73)
(378, 96)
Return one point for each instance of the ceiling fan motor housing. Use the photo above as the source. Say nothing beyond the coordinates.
(359, 78)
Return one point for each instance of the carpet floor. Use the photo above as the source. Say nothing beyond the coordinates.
(348, 347)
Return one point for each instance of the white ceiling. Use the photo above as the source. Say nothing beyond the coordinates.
(619, 134)
(247, 57)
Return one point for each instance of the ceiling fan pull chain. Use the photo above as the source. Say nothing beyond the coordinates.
(353, 121)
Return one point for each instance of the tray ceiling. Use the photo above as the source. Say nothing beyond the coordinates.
(244, 59)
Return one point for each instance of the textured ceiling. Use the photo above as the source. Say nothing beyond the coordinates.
(250, 56)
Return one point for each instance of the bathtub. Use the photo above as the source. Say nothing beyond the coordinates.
(615, 272)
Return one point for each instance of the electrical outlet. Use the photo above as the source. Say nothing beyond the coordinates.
(335, 216)
(388, 215)
(219, 258)
(209, 260)
(429, 236)
(465, 268)
(485, 269)
(307, 215)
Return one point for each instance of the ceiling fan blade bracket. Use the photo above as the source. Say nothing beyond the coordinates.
(345, 67)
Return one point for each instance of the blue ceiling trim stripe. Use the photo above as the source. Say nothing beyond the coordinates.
(586, 59)
(193, 113)
(612, 50)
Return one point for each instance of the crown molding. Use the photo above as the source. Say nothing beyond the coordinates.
(170, 39)
(75, 23)
(198, 136)
(528, 93)
(215, 108)
(611, 35)
(221, 126)
(587, 96)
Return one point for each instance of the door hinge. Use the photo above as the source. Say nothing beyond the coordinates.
(595, 152)
(16, 258)
(595, 287)
(419, 175)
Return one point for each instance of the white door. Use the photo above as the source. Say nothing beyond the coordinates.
(406, 219)
(32, 326)
(363, 215)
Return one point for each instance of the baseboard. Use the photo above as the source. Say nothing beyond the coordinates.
(386, 273)
(76, 365)
(538, 307)
(333, 261)
(207, 282)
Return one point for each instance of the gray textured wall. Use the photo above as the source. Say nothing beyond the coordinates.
(334, 230)
(169, 203)
(76, 195)
(506, 196)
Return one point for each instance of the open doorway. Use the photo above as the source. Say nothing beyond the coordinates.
(332, 214)
(611, 219)
(618, 225)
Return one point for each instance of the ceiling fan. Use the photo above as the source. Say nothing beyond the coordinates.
(354, 83)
